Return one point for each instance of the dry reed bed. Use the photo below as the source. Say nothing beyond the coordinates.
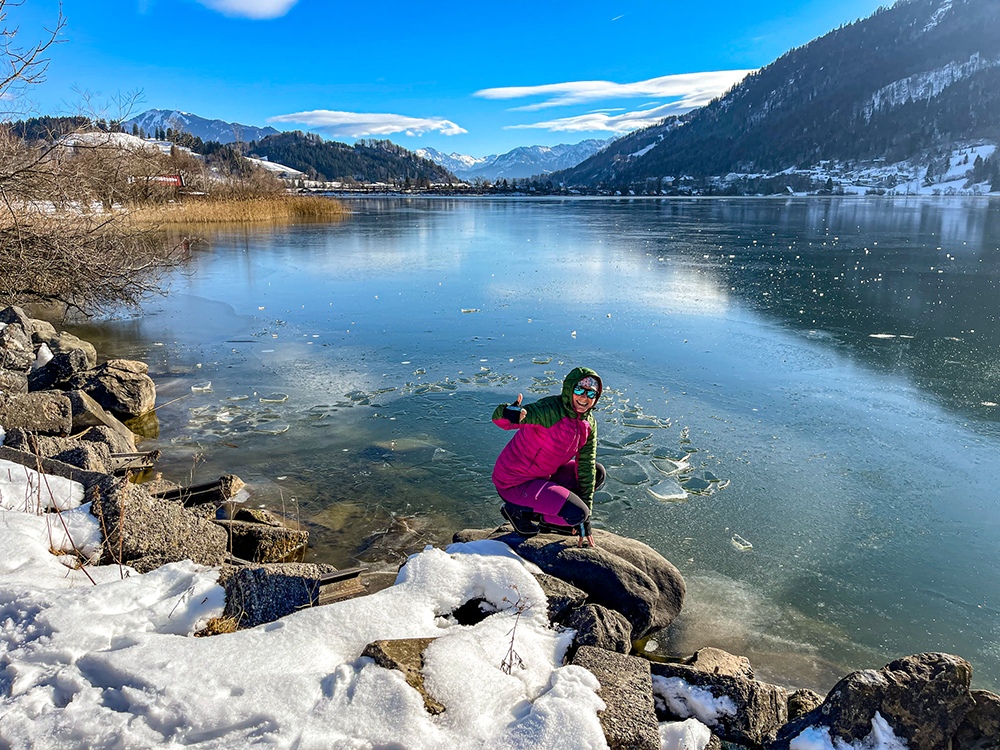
(243, 210)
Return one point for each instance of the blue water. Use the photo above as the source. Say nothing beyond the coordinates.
(832, 364)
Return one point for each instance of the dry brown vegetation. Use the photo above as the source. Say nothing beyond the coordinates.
(262, 209)
(81, 214)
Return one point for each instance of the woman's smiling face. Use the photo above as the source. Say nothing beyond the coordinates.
(583, 399)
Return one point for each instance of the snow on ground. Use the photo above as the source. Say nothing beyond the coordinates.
(114, 664)
(25, 489)
(900, 178)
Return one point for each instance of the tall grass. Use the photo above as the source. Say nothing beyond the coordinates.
(243, 210)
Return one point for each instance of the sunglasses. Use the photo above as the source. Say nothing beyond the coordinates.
(588, 392)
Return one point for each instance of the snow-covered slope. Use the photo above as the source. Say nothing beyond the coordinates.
(207, 130)
(523, 161)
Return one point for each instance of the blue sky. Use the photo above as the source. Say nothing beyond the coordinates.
(473, 78)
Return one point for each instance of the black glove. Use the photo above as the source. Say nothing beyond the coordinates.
(512, 414)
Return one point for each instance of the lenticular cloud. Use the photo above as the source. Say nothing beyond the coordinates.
(359, 124)
(257, 9)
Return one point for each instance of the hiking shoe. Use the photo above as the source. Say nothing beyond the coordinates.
(556, 528)
(522, 526)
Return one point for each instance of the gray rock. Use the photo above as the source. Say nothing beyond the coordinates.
(63, 342)
(407, 656)
(13, 382)
(40, 329)
(629, 721)
(924, 698)
(980, 729)
(802, 702)
(262, 543)
(89, 413)
(760, 709)
(562, 597)
(16, 352)
(47, 413)
(88, 456)
(16, 316)
(59, 371)
(601, 627)
(119, 385)
(717, 661)
(114, 440)
(256, 594)
(619, 573)
(136, 525)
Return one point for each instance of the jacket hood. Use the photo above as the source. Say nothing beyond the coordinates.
(575, 376)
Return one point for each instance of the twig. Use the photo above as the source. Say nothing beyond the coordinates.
(55, 504)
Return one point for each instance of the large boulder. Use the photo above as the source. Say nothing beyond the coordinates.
(89, 413)
(601, 627)
(47, 412)
(562, 597)
(15, 315)
(923, 699)
(717, 661)
(619, 573)
(89, 456)
(738, 710)
(43, 333)
(629, 720)
(137, 525)
(980, 729)
(16, 352)
(119, 385)
(256, 594)
(59, 371)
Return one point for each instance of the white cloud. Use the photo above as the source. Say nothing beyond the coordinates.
(358, 124)
(693, 88)
(602, 120)
(256, 9)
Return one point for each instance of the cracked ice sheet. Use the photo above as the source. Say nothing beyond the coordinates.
(113, 665)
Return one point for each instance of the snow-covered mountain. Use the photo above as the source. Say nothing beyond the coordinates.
(457, 164)
(913, 80)
(207, 130)
(523, 161)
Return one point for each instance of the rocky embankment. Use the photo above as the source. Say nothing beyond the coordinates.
(69, 416)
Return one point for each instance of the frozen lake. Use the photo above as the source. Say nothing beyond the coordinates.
(831, 367)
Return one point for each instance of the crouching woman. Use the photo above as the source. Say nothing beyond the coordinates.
(549, 470)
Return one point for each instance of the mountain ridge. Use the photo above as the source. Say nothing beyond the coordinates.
(206, 129)
(518, 163)
(907, 79)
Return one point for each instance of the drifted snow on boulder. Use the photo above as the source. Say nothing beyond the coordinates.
(619, 573)
(922, 698)
(737, 709)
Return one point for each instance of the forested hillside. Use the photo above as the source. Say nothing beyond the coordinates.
(919, 75)
(366, 161)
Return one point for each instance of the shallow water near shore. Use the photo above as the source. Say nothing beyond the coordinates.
(828, 367)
